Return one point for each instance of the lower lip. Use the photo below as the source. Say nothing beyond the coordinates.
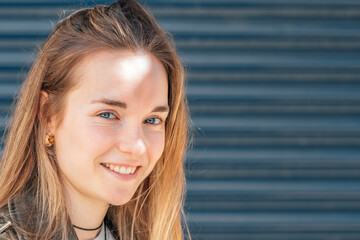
(122, 177)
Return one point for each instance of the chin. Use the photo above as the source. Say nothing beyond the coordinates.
(120, 199)
(118, 202)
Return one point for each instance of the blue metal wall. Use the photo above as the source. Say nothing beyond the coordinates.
(274, 92)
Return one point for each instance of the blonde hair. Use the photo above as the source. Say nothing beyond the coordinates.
(155, 210)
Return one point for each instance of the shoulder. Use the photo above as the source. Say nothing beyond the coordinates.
(17, 221)
(5, 221)
(9, 222)
(4, 236)
(6, 230)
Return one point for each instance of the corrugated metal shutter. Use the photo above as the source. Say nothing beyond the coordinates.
(274, 93)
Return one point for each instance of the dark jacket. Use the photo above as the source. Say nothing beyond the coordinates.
(16, 216)
(13, 219)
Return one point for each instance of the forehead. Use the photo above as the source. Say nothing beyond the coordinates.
(122, 75)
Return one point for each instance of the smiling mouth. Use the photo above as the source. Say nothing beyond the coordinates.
(120, 169)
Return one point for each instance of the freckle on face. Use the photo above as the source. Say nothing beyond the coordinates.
(84, 140)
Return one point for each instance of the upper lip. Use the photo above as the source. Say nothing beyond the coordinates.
(121, 164)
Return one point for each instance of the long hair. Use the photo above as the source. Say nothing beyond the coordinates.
(155, 210)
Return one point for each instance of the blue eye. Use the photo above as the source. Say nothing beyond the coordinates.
(154, 121)
(107, 115)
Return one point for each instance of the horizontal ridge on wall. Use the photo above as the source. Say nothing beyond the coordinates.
(274, 95)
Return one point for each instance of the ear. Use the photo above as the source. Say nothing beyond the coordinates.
(43, 98)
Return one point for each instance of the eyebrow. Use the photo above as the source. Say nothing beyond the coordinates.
(124, 106)
(161, 109)
(110, 102)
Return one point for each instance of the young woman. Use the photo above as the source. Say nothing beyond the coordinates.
(96, 145)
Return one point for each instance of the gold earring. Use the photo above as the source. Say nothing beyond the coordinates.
(49, 139)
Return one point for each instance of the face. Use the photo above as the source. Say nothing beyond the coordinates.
(113, 125)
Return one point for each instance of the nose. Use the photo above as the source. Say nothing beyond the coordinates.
(131, 141)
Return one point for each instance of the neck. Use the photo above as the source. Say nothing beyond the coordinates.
(85, 213)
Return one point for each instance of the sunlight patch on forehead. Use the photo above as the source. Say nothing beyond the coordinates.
(136, 66)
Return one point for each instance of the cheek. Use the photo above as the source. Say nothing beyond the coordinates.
(80, 143)
(99, 136)
(97, 142)
(156, 142)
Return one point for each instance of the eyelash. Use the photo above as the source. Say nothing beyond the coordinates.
(106, 113)
(155, 117)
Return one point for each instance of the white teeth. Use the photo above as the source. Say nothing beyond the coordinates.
(122, 170)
